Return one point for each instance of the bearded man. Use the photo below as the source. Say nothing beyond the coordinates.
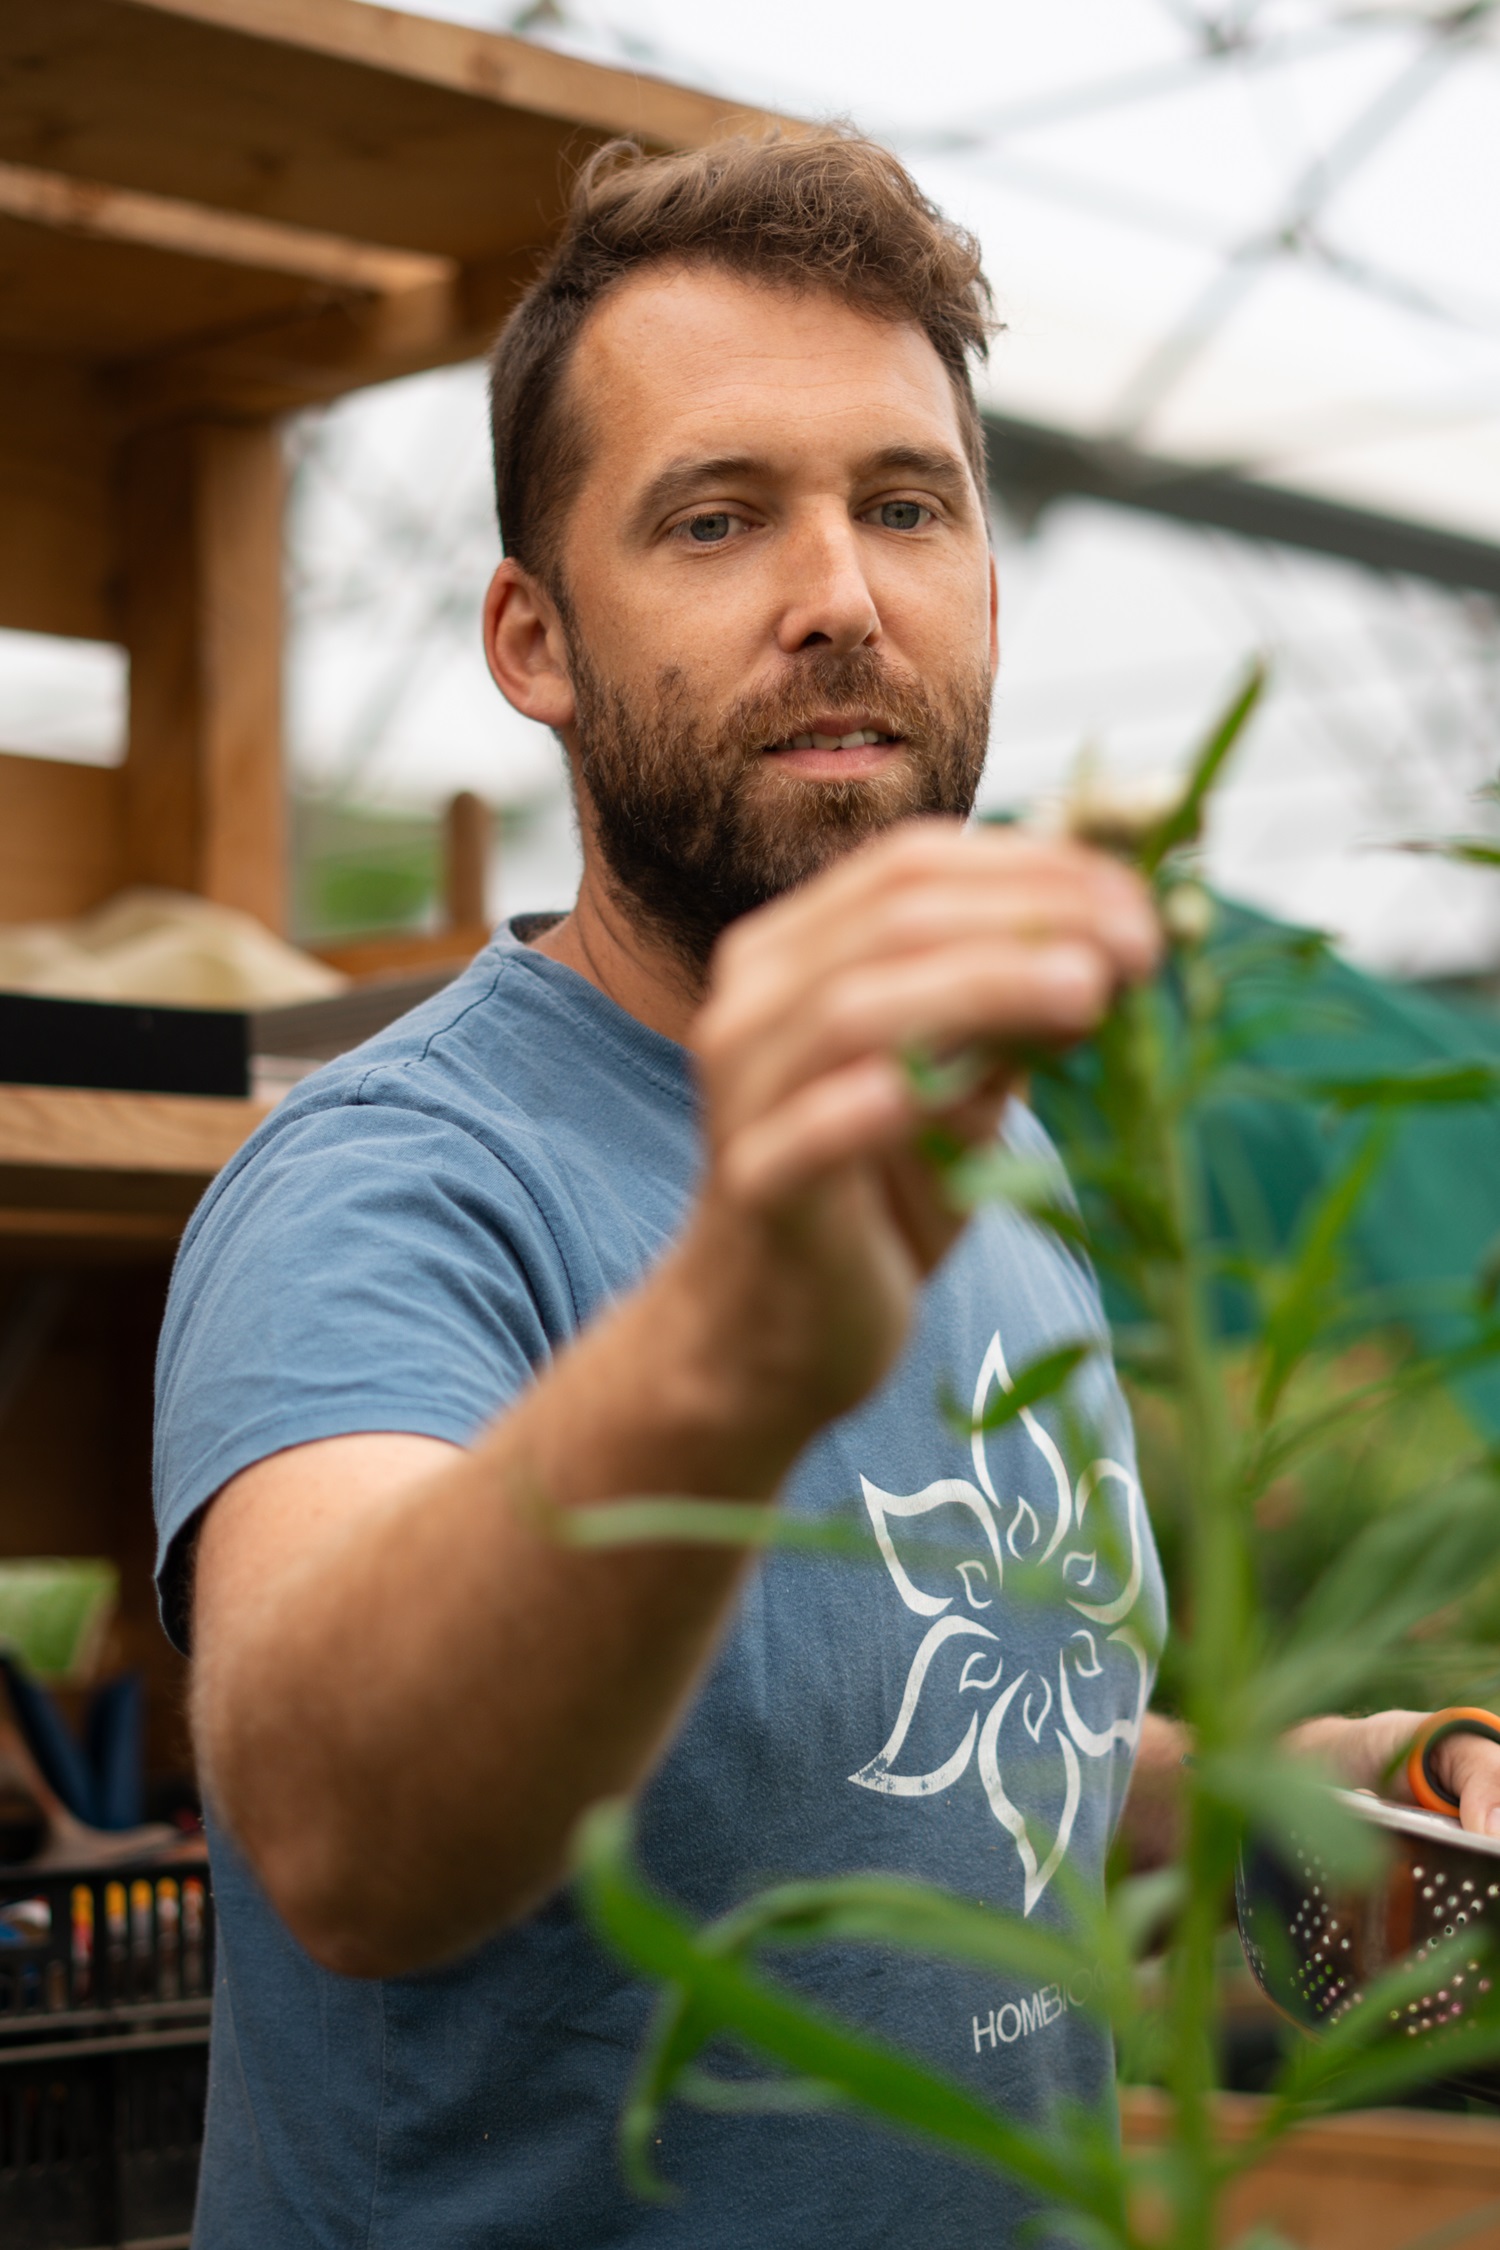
(636, 1206)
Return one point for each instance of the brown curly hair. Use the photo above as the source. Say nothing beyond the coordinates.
(830, 211)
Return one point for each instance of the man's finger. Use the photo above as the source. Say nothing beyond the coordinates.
(865, 1109)
(1052, 993)
(1469, 1766)
(939, 887)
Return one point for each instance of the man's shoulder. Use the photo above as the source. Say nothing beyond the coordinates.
(515, 1055)
(517, 1104)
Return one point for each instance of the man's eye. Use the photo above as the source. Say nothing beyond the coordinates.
(710, 530)
(902, 515)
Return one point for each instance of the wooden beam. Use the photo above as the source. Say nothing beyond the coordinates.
(60, 837)
(201, 537)
(277, 368)
(159, 222)
(498, 68)
(393, 952)
(45, 1228)
(57, 528)
(326, 113)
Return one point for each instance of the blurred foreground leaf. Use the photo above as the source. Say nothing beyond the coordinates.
(716, 1993)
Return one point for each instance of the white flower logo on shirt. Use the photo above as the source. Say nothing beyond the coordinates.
(1051, 1544)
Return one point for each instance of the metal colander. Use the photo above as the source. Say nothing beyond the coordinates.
(1314, 1946)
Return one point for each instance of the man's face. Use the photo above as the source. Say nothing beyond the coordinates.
(777, 546)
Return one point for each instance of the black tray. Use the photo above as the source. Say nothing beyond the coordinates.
(128, 1047)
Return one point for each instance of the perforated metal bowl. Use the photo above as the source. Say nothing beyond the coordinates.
(1314, 1946)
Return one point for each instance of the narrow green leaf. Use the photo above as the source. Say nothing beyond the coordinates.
(1430, 1086)
(762, 2097)
(1472, 851)
(1286, 1802)
(674, 2037)
(940, 1084)
(1182, 824)
(1028, 1184)
(886, 1910)
(1038, 1380)
(1401, 2065)
(1142, 1906)
(1298, 1308)
(709, 1523)
(1372, 2041)
(801, 2039)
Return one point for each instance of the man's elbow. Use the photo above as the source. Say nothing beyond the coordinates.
(361, 1913)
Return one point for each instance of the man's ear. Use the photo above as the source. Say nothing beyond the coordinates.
(994, 617)
(526, 648)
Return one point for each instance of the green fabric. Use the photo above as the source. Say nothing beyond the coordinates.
(1434, 1207)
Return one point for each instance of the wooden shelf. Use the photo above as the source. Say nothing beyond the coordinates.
(1374, 2180)
(113, 1173)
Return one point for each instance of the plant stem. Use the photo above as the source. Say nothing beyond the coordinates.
(1211, 1634)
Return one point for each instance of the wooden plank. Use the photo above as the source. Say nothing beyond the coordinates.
(501, 69)
(57, 533)
(45, 1228)
(1370, 2181)
(272, 368)
(60, 837)
(276, 367)
(386, 955)
(466, 860)
(104, 275)
(204, 806)
(94, 301)
(329, 114)
(107, 1137)
(159, 222)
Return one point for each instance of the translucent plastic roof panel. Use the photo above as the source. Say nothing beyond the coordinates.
(1265, 236)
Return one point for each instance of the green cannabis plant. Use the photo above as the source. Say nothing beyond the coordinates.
(1265, 1368)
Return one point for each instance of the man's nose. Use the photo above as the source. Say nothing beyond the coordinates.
(827, 602)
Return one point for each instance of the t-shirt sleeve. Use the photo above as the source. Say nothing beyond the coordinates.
(366, 1267)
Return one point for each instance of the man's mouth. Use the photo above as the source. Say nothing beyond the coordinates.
(862, 738)
(836, 750)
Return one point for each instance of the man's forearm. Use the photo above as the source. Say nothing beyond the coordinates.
(403, 1729)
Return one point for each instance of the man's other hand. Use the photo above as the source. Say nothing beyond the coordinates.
(1371, 1754)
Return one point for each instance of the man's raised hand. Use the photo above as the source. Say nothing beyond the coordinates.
(819, 1217)
(931, 939)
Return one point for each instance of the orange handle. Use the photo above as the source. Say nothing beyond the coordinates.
(1458, 1718)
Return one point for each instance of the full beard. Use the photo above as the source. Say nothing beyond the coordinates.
(695, 827)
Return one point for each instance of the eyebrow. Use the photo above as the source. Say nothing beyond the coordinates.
(681, 479)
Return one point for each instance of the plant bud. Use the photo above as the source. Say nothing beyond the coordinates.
(1114, 812)
(1187, 913)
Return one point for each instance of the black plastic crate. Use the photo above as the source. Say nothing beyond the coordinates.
(89, 1944)
(106, 1977)
(100, 2141)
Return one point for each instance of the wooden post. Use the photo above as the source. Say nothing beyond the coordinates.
(466, 854)
(201, 540)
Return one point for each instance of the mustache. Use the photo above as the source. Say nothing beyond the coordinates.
(893, 702)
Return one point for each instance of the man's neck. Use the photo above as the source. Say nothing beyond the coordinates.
(629, 964)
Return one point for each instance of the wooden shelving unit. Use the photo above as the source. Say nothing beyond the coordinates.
(106, 1172)
(212, 213)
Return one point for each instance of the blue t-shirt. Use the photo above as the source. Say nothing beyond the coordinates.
(405, 1241)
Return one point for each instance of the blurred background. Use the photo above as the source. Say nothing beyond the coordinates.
(1247, 399)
